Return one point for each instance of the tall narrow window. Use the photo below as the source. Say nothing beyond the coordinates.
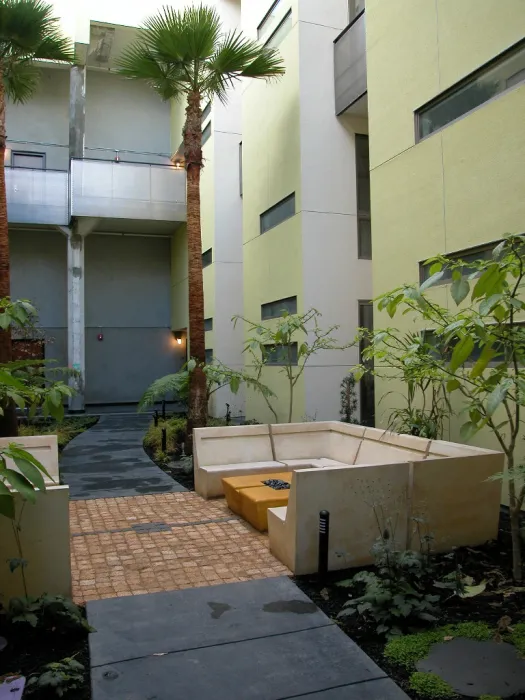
(206, 113)
(208, 324)
(364, 228)
(240, 169)
(282, 31)
(275, 215)
(207, 258)
(355, 7)
(270, 20)
(209, 355)
(206, 133)
(366, 385)
(503, 73)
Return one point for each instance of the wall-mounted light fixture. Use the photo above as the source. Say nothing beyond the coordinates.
(178, 165)
(178, 337)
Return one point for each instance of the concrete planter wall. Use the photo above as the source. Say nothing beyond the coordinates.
(45, 530)
(355, 472)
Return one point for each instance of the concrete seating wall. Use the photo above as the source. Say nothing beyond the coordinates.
(44, 529)
(355, 472)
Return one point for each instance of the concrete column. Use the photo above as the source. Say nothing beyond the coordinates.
(77, 111)
(76, 350)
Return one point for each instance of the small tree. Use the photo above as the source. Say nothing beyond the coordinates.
(478, 350)
(348, 399)
(289, 342)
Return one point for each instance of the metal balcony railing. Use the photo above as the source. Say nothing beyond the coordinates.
(350, 65)
(126, 190)
(37, 196)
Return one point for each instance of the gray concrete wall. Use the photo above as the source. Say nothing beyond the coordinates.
(124, 114)
(128, 301)
(39, 273)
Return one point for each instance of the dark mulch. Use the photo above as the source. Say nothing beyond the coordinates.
(491, 562)
(175, 469)
(28, 650)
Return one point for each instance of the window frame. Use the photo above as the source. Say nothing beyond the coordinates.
(206, 112)
(208, 356)
(268, 42)
(209, 322)
(33, 154)
(458, 255)
(468, 79)
(294, 363)
(265, 18)
(273, 208)
(206, 134)
(205, 262)
(278, 301)
(362, 215)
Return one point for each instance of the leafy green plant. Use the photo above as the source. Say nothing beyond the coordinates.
(490, 697)
(477, 351)
(407, 650)
(278, 340)
(60, 677)
(47, 612)
(430, 685)
(348, 400)
(517, 637)
(65, 430)
(396, 593)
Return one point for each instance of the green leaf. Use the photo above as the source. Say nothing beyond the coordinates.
(452, 385)
(471, 591)
(497, 397)
(435, 267)
(461, 352)
(21, 484)
(498, 250)
(467, 431)
(459, 289)
(32, 473)
(489, 303)
(489, 282)
(433, 279)
(7, 502)
(487, 354)
(9, 380)
(235, 383)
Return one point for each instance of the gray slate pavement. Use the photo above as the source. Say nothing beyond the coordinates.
(108, 461)
(224, 642)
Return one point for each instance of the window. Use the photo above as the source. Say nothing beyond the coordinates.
(469, 256)
(274, 309)
(281, 32)
(281, 354)
(206, 133)
(240, 169)
(366, 384)
(504, 73)
(207, 258)
(355, 7)
(270, 20)
(208, 324)
(206, 113)
(445, 352)
(281, 211)
(209, 355)
(364, 228)
(24, 159)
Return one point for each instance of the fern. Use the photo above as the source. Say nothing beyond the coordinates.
(177, 383)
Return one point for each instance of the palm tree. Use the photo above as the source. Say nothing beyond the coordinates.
(185, 53)
(28, 32)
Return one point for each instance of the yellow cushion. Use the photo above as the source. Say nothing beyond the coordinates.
(233, 486)
(256, 501)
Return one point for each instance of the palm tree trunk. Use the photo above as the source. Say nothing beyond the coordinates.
(8, 421)
(198, 404)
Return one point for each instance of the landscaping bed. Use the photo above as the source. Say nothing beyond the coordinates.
(65, 430)
(30, 648)
(499, 608)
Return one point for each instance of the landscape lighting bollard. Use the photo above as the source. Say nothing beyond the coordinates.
(164, 445)
(324, 534)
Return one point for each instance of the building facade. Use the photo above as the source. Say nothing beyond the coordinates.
(446, 95)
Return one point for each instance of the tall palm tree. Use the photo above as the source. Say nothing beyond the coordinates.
(185, 53)
(28, 32)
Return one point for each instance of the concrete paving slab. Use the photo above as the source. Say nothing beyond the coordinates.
(477, 668)
(270, 668)
(108, 461)
(382, 689)
(192, 618)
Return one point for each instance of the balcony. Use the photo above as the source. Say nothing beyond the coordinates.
(118, 189)
(37, 196)
(350, 69)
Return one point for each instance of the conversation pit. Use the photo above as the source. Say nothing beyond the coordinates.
(361, 476)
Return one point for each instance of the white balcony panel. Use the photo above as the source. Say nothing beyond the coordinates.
(350, 65)
(37, 196)
(127, 191)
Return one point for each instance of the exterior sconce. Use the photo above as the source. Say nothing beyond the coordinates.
(178, 338)
(178, 165)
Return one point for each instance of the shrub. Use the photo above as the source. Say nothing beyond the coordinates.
(59, 677)
(348, 400)
(517, 637)
(429, 685)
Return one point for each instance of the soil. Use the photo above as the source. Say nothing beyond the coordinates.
(176, 469)
(29, 649)
(491, 562)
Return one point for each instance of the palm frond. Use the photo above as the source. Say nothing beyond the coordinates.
(29, 29)
(161, 388)
(21, 80)
(140, 62)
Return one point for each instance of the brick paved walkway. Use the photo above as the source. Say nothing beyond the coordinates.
(163, 542)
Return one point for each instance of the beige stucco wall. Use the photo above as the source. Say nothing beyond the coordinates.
(461, 186)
